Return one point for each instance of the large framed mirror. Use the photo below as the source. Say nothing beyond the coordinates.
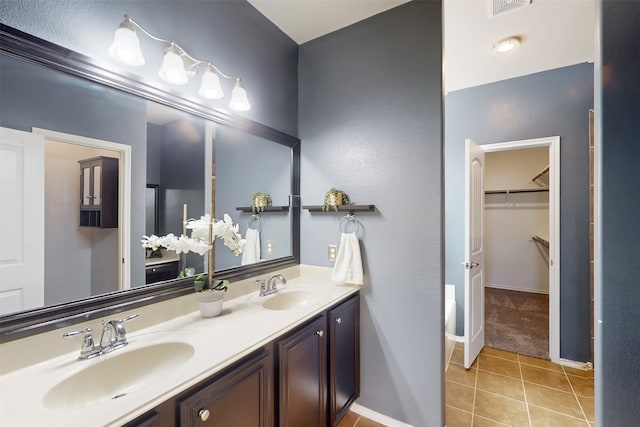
(165, 148)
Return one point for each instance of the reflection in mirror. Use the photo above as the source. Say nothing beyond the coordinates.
(164, 158)
(152, 206)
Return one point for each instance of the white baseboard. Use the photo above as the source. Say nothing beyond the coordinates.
(377, 417)
(585, 366)
(456, 338)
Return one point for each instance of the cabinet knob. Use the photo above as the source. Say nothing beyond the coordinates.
(320, 333)
(203, 414)
(339, 320)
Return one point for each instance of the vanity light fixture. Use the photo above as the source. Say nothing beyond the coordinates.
(177, 65)
(507, 45)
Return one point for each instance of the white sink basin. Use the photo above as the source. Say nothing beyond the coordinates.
(291, 299)
(117, 375)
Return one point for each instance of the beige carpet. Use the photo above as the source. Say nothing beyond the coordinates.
(517, 322)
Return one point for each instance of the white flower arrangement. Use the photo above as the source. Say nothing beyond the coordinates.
(199, 241)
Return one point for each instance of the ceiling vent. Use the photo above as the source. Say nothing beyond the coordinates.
(498, 7)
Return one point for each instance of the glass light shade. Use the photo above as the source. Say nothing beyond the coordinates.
(172, 70)
(210, 87)
(507, 45)
(239, 100)
(126, 47)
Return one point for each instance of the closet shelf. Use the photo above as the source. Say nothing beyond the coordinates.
(542, 241)
(516, 190)
(542, 178)
(342, 208)
(262, 210)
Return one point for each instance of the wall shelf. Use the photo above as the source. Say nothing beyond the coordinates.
(262, 210)
(342, 208)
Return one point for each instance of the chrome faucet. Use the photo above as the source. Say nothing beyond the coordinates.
(113, 337)
(268, 287)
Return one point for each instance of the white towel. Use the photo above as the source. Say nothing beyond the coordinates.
(251, 252)
(348, 266)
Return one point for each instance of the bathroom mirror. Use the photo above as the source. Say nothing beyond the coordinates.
(166, 146)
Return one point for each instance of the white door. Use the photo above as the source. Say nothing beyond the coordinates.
(21, 220)
(474, 253)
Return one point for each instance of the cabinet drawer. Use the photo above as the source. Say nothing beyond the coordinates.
(240, 398)
(163, 271)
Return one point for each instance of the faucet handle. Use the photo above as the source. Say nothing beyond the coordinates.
(126, 319)
(263, 286)
(88, 348)
(78, 332)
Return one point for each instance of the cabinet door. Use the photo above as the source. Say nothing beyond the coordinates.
(240, 398)
(344, 358)
(302, 362)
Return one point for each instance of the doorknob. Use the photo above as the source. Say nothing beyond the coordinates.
(470, 265)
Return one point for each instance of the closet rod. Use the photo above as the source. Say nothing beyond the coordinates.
(516, 190)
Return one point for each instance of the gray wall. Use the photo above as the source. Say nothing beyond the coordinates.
(370, 124)
(618, 291)
(549, 103)
(232, 34)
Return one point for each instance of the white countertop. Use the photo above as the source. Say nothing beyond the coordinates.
(244, 326)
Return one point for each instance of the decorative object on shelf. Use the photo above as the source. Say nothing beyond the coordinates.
(260, 201)
(334, 198)
(177, 66)
(203, 234)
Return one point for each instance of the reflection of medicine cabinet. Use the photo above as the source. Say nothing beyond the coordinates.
(99, 192)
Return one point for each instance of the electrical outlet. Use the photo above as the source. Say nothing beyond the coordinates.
(269, 247)
(332, 252)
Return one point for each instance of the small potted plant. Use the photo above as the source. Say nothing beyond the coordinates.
(334, 198)
(209, 292)
(210, 295)
(260, 201)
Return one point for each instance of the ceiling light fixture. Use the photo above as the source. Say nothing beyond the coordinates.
(177, 65)
(507, 45)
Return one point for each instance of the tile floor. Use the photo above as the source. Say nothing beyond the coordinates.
(508, 389)
(351, 419)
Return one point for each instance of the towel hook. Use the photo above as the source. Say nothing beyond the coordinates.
(349, 217)
(254, 218)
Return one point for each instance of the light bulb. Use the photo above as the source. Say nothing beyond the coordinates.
(172, 70)
(239, 100)
(506, 45)
(210, 87)
(126, 46)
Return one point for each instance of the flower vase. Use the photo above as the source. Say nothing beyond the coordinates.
(210, 302)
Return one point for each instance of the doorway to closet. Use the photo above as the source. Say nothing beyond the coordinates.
(516, 214)
(518, 232)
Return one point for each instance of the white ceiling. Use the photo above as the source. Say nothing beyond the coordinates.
(305, 20)
(555, 33)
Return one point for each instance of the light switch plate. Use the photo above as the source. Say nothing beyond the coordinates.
(332, 252)
(269, 247)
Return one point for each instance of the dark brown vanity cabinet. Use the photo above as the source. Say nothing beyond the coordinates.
(241, 398)
(302, 373)
(344, 358)
(319, 368)
(99, 192)
(307, 378)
